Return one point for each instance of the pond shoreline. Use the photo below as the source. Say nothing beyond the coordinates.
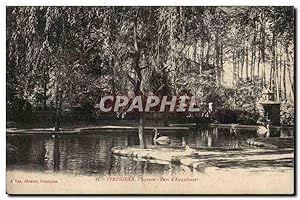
(86, 129)
(208, 159)
(171, 127)
(272, 142)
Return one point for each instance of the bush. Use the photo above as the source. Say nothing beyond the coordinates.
(19, 110)
(86, 112)
(247, 117)
(287, 112)
(226, 116)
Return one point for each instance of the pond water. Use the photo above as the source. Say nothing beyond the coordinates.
(90, 154)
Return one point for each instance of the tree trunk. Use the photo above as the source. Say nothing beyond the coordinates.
(291, 84)
(195, 50)
(58, 98)
(276, 73)
(234, 78)
(233, 69)
(264, 75)
(217, 60)
(208, 50)
(272, 63)
(259, 51)
(277, 83)
(141, 132)
(111, 65)
(242, 62)
(284, 80)
(57, 108)
(56, 155)
(221, 64)
(252, 62)
(247, 68)
(45, 93)
(289, 72)
(263, 54)
(202, 54)
(137, 83)
(258, 63)
(165, 119)
(254, 52)
(237, 65)
(280, 76)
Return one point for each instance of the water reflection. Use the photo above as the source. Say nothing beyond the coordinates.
(91, 153)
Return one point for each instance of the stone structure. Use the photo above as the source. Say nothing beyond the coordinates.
(271, 108)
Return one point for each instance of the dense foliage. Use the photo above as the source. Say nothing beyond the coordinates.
(62, 59)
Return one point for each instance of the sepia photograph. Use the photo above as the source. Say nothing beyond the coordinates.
(150, 100)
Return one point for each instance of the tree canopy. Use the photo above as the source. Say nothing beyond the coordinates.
(65, 57)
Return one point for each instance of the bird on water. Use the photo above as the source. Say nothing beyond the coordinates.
(263, 131)
(160, 139)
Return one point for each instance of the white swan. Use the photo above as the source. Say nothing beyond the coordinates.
(263, 131)
(189, 150)
(161, 139)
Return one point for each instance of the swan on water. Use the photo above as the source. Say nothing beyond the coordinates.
(189, 150)
(263, 131)
(161, 139)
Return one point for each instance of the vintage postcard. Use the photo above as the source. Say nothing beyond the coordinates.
(150, 100)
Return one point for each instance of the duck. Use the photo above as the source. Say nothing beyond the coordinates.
(161, 139)
(263, 131)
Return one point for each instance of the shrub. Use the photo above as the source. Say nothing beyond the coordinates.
(287, 112)
(19, 110)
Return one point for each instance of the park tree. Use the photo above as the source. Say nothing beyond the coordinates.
(59, 58)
